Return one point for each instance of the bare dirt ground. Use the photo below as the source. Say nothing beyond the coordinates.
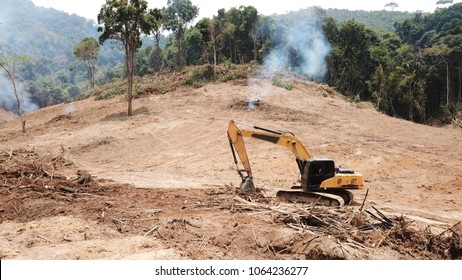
(87, 182)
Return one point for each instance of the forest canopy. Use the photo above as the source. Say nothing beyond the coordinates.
(407, 64)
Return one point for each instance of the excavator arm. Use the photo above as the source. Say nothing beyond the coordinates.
(285, 139)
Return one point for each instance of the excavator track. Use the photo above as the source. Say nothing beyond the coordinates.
(321, 197)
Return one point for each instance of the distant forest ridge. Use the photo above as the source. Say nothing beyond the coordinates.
(382, 21)
(46, 32)
(408, 64)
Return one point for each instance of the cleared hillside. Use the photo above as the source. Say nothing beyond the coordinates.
(165, 186)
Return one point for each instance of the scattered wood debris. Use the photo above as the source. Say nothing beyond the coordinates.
(350, 226)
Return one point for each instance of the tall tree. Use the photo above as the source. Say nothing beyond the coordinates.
(216, 32)
(444, 2)
(126, 20)
(177, 15)
(88, 51)
(444, 53)
(391, 5)
(351, 57)
(250, 19)
(8, 64)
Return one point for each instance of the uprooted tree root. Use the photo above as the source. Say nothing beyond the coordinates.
(407, 239)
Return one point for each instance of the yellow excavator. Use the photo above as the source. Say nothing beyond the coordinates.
(321, 181)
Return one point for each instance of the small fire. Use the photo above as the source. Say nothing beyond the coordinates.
(69, 108)
(251, 104)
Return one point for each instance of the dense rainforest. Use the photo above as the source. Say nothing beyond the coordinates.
(408, 64)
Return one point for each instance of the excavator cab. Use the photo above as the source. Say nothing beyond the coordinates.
(316, 171)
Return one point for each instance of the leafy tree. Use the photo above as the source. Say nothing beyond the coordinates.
(385, 80)
(444, 2)
(351, 58)
(250, 19)
(438, 38)
(203, 26)
(443, 52)
(383, 21)
(194, 46)
(216, 33)
(46, 91)
(411, 84)
(391, 5)
(88, 50)
(8, 64)
(156, 59)
(177, 15)
(411, 30)
(127, 20)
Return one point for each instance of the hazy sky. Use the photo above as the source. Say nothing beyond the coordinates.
(90, 8)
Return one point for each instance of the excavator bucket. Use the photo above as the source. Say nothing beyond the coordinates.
(248, 186)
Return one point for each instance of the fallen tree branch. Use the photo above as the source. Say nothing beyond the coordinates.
(364, 200)
(151, 230)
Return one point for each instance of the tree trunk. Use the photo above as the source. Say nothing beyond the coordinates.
(130, 52)
(410, 108)
(254, 39)
(159, 57)
(12, 77)
(214, 59)
(447, 83)
(180, 49)
(91, 72)
(460, 82)
(21, 117)
(231, 51)
(446, 62)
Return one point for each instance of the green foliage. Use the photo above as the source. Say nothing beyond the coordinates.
(194, 46)
(110, 93)
(158, 86)
(176, 16)
(411, 73)
(227, 71)
(446, 114)
(127, 21)
(407, 63)
(280, 82)
(47, 37)
(199, 75)
(88, 51)
(351, 63)
(382, 21)
(46, 91)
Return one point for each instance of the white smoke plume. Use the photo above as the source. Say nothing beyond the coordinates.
(8, 99)
(302, 50)
(69, 108)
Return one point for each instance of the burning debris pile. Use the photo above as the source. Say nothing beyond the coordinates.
(246, 105)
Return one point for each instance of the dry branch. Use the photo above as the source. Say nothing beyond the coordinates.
(364, 201)
(151, 230)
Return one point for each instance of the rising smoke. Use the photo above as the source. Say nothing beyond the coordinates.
(302, 50)
(8, 99)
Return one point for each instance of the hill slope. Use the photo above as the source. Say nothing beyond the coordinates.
(175, 149)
